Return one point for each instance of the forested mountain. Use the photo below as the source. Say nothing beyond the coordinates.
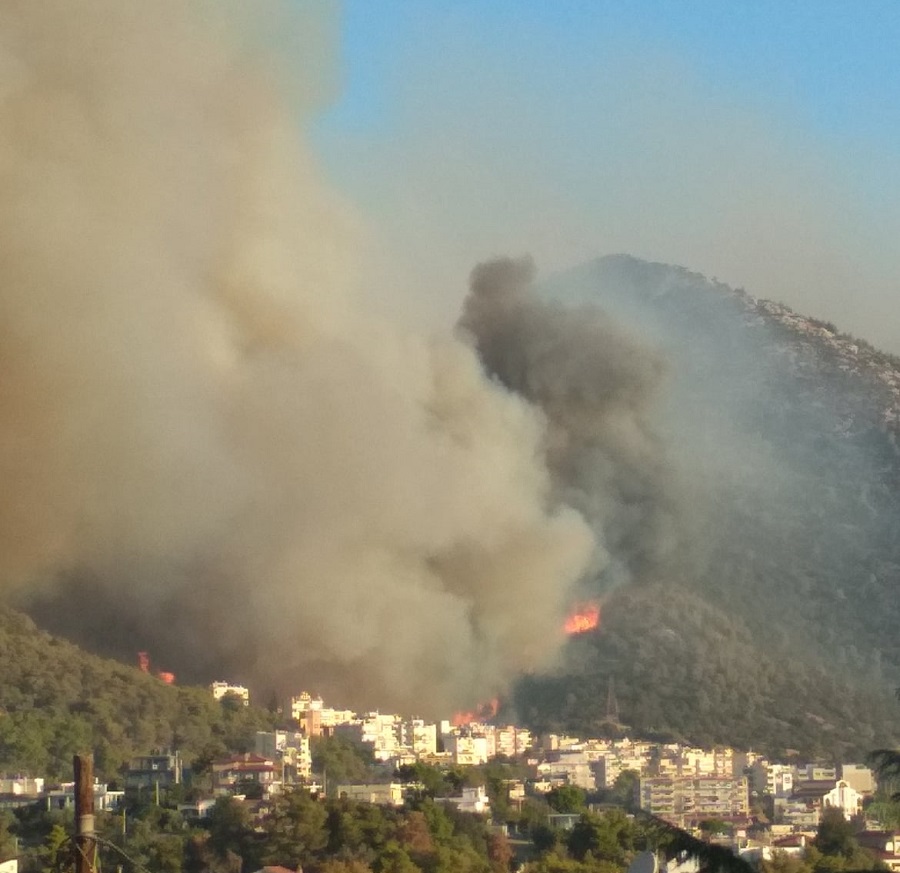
(772, 619)
(57, 700)
(764, 612)
(679, 669)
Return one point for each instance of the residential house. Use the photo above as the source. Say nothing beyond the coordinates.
(818, 794)
(241, 773)
(154, 771)
(884, 845)
(383, 794)
(471, 800)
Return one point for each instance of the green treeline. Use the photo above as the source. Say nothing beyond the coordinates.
(293, 830)
(297, 830)
(683, 670)
(300, 831)
(56, 701)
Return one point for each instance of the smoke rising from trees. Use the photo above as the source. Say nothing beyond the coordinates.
(209, 449)
(598, 387)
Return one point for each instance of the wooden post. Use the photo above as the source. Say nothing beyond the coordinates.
(85, 845)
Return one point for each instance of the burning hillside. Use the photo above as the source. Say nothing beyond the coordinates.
(585, 618)
(203, 424)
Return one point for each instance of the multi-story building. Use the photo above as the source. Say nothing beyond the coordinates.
(303, 703)
(620, 756)
(237, 774)
(676, 760)
(381, 732)
(290, 748)
(154, 771)
(419, 736)
(314, 718)
(683, 799)
(859, 777)
(571, 768)
(466, 748)
(512, 741)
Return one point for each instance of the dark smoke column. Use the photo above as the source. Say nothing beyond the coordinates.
(596, 385)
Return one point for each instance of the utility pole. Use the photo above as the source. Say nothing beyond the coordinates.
(85, 843)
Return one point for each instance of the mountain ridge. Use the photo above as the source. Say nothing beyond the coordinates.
(780, 436)
(783, 433)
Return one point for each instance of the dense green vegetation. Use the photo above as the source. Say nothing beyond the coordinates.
(294, 830)
(300, 831)
(56, 700)
(774, 627)
(686, 671)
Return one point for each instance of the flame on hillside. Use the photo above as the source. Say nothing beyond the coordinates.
(143, 659)
(585, 618)
(482, 712)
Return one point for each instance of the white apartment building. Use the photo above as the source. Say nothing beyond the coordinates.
(220, 689)
(289, 747)
(381, 731)
(621, 756)
(571, 768)
(466, 749)
(303, 703)
(419, 736)
(314, 717)
(512, 741)
(676, 760)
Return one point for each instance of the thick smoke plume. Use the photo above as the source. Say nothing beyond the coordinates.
(207, 449)
(597, 386)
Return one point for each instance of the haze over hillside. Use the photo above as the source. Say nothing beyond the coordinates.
(736, 462)
(215, 450)
(779, 442)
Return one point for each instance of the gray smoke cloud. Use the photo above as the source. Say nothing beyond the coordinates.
(208, 448)
(599, 388)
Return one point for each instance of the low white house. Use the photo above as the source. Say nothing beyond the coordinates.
(472, 800)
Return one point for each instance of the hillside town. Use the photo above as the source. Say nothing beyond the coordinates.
(739, 799)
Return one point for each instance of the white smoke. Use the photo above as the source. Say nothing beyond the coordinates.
(207, 447)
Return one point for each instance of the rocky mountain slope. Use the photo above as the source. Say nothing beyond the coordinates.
(781, 607)
(764, 614)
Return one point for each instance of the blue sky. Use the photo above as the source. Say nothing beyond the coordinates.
(837, 62)
(754, 141)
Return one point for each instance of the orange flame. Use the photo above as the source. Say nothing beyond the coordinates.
(144, 662)
(482, 712)
(168, 678)
(585, 618)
